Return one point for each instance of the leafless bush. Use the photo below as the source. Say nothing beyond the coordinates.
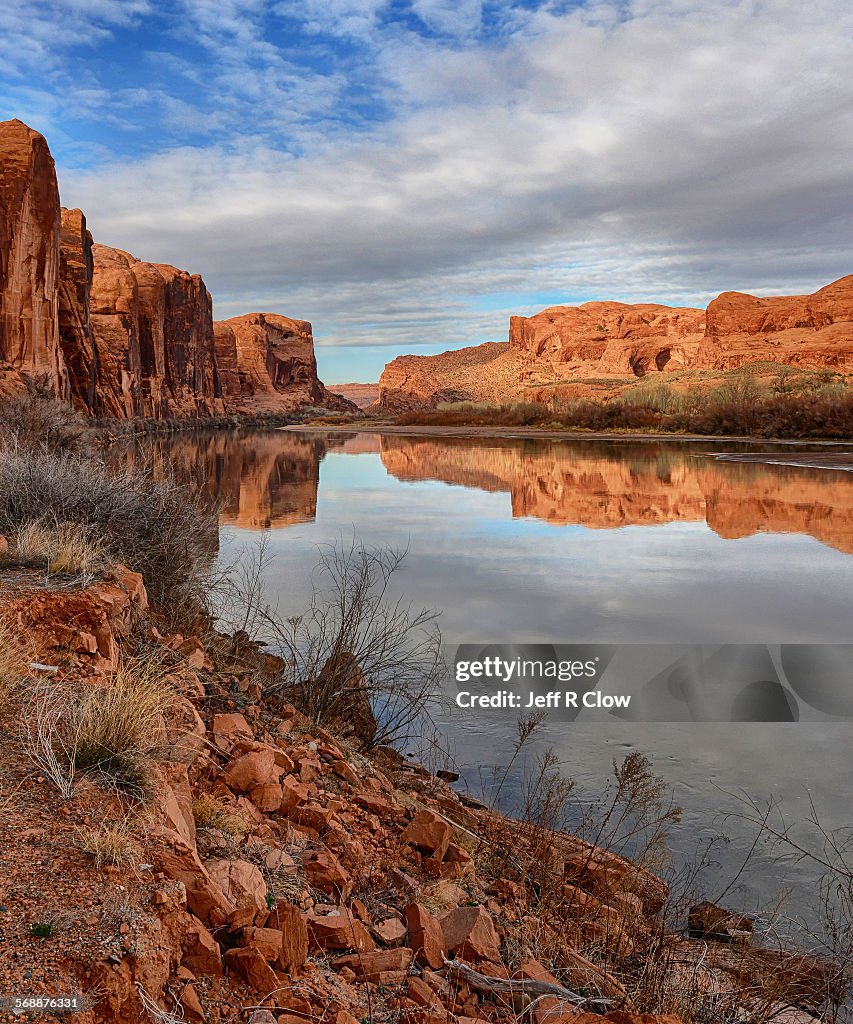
(828, 938)
(154, 526)
(357, 652)
(35, 421)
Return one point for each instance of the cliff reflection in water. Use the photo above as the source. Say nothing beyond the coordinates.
(270, 480)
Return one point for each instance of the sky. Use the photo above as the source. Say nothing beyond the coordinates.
(406, 174)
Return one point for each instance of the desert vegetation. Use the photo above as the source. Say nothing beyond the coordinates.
(63, 509)
(746, 403)
(110, 731)
(359, 659)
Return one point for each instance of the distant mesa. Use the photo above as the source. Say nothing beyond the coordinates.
(547, 352)
(121, 337)
(362, 395)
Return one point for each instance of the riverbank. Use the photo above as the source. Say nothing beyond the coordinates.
(383, 426)
(181, 839)
(270, 863)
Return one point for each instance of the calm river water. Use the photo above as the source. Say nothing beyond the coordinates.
(522, 540)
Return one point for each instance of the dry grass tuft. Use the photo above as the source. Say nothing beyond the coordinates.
(61, 548)
(111, 730)
(212, 813)
(116, 727)
(111, 845)
(14, 657)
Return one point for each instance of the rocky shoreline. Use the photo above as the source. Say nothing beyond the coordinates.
(275, 872)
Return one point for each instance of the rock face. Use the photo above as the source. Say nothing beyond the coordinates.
(483, 373)
(122, 337)
(799, 330)
(563, 344)
(362, 395)
(269, 362)
(29, 258)
(153, 327)
(76, 267)
(615, 337)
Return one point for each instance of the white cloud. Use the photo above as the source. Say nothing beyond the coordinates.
(651, 149)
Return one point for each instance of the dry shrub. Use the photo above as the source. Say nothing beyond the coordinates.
(60, 548)
(359, 661)
(111, 845)
(212, 813)
(155, 527)
(34, 421)
(740, 406)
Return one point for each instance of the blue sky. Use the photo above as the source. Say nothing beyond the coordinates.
(408, 173)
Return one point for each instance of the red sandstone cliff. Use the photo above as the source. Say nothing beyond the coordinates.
(484, 373)
(122, 337)
(616, 337)
(270, 363)
(29, 259)
(76, 266)
(614, 340)
(800, 330)
(153, 327)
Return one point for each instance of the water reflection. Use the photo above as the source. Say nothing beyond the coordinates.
(271, 480)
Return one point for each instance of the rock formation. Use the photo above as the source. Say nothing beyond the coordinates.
(566, 345)
(270, 363)
(153, 327)
(76, 266)
(29, 259)
(362, 395)
(122, 337)
(491, 372)
(811, 331)
(612, 336)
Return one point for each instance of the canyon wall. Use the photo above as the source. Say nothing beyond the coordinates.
(570, 345)
(812, 331)
(30, 229)
(122, 337)
(76, 267)
(153, 329)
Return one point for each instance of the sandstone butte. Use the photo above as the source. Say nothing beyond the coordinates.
(278, 873)
(122, 337)
(618, 340)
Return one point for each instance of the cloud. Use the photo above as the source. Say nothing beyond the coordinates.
(652, 149)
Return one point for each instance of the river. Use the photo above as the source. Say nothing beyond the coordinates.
(617, 541)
